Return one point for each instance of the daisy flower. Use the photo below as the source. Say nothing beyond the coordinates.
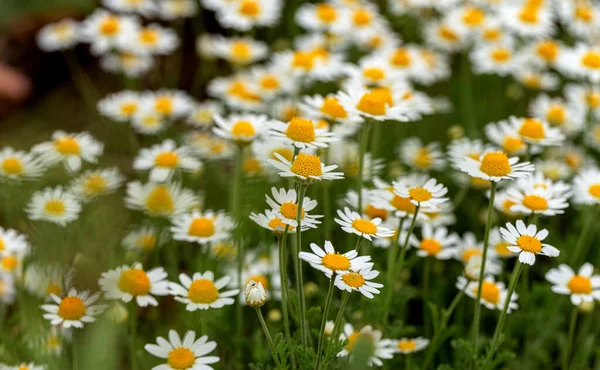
(465, 147)
(236, 91)
(353, 223)
(540, 200)
(306, 168)
(151, 40)
(244, 15)
(239, 50)
(468, 247)
(380, 348)
(527, 20)
(435, 242)
(380, 103)
(320, 17)
(406, 346)
(74, 309)
(580, 18)
(327, 107)
(285, 205)
(144, 239)
(146, 121)
(127, 283)
(537, 80)
(493, 294)
(506, 137)
(202, 227)
(24, 366)
(421, 157)
(581, 286)
(43, 280)
(329, 261)
(160, 200)
(428, 195)
(444, 36)
(71, 149)
(374, 71)
(270, 83)
(54, 205)
(121, 106)
(359, 281)
(62, 35)
(498, 245)
(570, 119)
(261, 268)
(301, 133)
(586, 186)
(242, 128)
(13, 241)
(582, 61)
(201, 115)
(201, 291)
(310, 64)
(370, 209)
(170, 104)
(94, 183)
(271, 221)
(587, 96)
(104, 30)
(495, 166)
(209, 147)
(386, 198)
(494, 59)
(527, 241)
(18, 165)
(347, 154)
(188, 353)
(164, 159)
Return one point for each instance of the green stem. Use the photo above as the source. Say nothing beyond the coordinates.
(392, 252)
(359, 240)
(299, 281)
(133, 333)
(269, 339)
(75, 349)
(511, 288)
(571, 337)
(284, 286)
(477, 316)
(203, 329)
(583, 236)
(425, 292)
(364, 142)
(324, 320)
(466, 96)
(235, 207)
(338, 318)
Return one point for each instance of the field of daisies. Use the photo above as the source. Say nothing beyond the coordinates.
(285, 184)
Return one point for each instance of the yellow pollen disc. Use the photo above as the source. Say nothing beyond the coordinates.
(422, 158)
(501, 55)
(71, 308)
(251, 166)
(431, 246)
(269, 82)
(241, 50)
(203, 291)
(67, 145)
(55, 207)
(420, 194)
(492, 34)
(401, 58)
(353, 279)
(591, 60)
(128, 109)
(148, 36)
(289, 210)
(277, 224)
(535, 203)
(332, 107)
(470, 252)
(110, 26)
(489, 292)
(556, 115)
(548, 50)
(403, 204)
(407, 345)
(473, 17)
(300, 129)
(592, 99)
(167, 159)
(495, 164)
(249, 8)
(53, 289)
(181, 358)
(94, 184)
(243, 129)
(146, 242)
(448, 34)
(326, 13)
(9, 263)
(202, 227)
(12, 166)
(362, 17)
(374, 74)
(307, 165)
(529, 14)
(512, 144)
(284, 152)
(159, 200)
(594, 190)
(336, 262)
(259, 279)
(304, 60)
(580, 285)
(372, 103)
(164, 105)
(529, 244)
(584, 13)
(364, 226)
(135, 282)
(502, 250)
(374, 212)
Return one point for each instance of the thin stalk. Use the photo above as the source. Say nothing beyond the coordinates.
(299, 281)
(364, 142)
(324, 320)
(75, 349)
(359, 240)
(235, 208)
(583, 236)
(477, 316)
(133, 333)
(511, 288)
(203, 328)
(269, 339)
(338, 318)
(284, 287)
(425, 292)
(392, 252)
(571, 337)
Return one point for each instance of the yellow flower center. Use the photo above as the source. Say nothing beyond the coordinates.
(407, 345)
(300, 129)
(259, 279)
(548, 50)
(167, 159)
(374, 74)
(326, 13)
(203, 291)
(556, 115)
(146, 242)
(401, 58)
(364, 226)
(249, 8)
(55, 207)
(241, 50)
(502, 250)
(307, 165)
(362, 17)
(473, 17)
(532, 81)
(163, 105)
(2, 245)
(591, 60)
(501, 55)
(372, 103)
(289, 210)
(507, 204)
(580, 285)
(512, 144)
(148, 36)
(9, 263)
(535, 202)
(529, 14)
(304, 60)
(94, 184)
(202, 227)
(135, 282)
(419, 194)
(403, 204)
(594, 190)
(159, 200)
(592, 99)
(53, 289)
(243, 129)
(336, 262)
(332, 107)
(353, 279)
(492, 34)
(529, 244)
(431, 246)
(277, 224)
(495, 164)
(110, 26)
(374, 212)
(423, 158)
(181, 358)
(67, 145)
(12, 166)
(489, 292)
(584, 13)
(128, 109)
(448, 34)
(269, 82)
(470, 252)
(71, 308)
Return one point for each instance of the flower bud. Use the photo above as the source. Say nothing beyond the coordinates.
(255, 294)
(117, 313)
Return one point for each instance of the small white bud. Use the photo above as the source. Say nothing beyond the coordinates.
(255, 294)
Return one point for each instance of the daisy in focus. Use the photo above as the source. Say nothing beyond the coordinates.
(301, 133)
(201, 291)
(358, 281)
(284, 204)
(582, 286)
(329, 261)
(428, 195)
(128, 283)
(495, 166)
(186, 353)
(305, 168)
(74, 309)
(353, 223)
(527, 242)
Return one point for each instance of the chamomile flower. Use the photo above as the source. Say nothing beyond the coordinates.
(121, 106)
(202, 114)
(236, 91)
(406, 346)
(493, 294)
(74, 309)
(271, 220)
(177, 9)
(142, 7)
(144, 239)
(43, 280)
(244, 15)
(165, 159)
(202, 227)
(71, 149)
(353, 223)
(160, 200)
(170, 104)
(385, 197)
(329, 261)
(58, 36)
(537, 200)
(104, 30)
(553, 169)
(527, 241)
(151, 40)
(127, 63)
(147, 121)
(468, 247)
(587, 96)
(54, 205)
(586, 186)
(371, 198)
(543, 53)
(240, 50)
(302, 133)
(445, 36)
(16, 165)
(306, 168)
(537, 80)
(494, 59)
(311, 64)
(495, 166)
(187, 353)
(242, 128)
(498, 245)
(95, 183)
(427, 195)
(24, 366)
(320, 17)
(469, 18)
(570, 119)
(209, 147)
(527, 20)
(201, 291)
(126, 283)
(347, 155)
(435, 242)
(583, 61)
(374, 71)
(329, 108)
(260, 268)
(379, 103)
(284, 204)
(505, 136)
(13, 241)
(582, 286)
(580, 18)
(271, 83)
(381, 349)
(421, 157)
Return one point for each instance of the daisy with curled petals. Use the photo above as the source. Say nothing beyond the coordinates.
(306, 168)
(71, 149)
(127, 283)
(527, 242)
(164, 159)
(73, 310)
(435, 243)
(271, 220)
(428, 195)
(188, 354)
(353, 223)
(421, 157)
(329, 261)
(54, 205)
(285, 206)
(62, 35)
(406, 346)
(95, 183)
(160, 200)
(586, 186)
(301, 133)
(201, 291)
(359, 281)
(495, 166)
(581, 286)
(536, 132)
(202, 227)
(379, 348)
(380, 103)
(120, 106)
(543, 201)
(493, 294)
(240, 128)
(16, 165)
